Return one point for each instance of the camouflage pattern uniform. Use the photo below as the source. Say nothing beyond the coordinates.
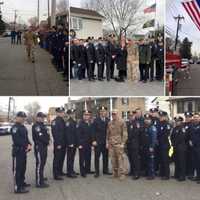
(116, 138)
(133, 63)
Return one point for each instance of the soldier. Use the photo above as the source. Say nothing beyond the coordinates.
(133, 145)
(179, 143)
(90, 51)
(30, 43)
(149, 141)
(100, 58)
(21, 146)
(116, 139)
(195, 143)
(100, 125)
(41, 140)
(144, 59)
(190, 168)
(164, 145)
(84, 140)
(58, 133)
(71, 143)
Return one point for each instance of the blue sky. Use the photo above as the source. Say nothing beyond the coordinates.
(174, 7)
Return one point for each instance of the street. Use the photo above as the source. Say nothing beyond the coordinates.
(19, 77)
(103, 188)
(113, 88)
(189, 87)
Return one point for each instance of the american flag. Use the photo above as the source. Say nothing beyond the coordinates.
(150, 9)
(193, 9)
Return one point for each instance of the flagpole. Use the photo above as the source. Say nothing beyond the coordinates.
(155, 17)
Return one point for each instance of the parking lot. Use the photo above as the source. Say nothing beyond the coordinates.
(104, 188)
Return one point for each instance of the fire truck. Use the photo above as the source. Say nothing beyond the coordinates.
(173, 65)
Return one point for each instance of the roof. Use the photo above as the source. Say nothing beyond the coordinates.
(83, 11)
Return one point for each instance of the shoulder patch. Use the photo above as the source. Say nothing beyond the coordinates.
(14, 130)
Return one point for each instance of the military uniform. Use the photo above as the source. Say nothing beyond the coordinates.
(99, 136)
(19, 152)
(59, 138)
(116, 139)
(84, 139)
(41, 140)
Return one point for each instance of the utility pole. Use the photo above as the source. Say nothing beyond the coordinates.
(1, 3)
(53, 13)
(38, 13)
(15, 18)
(48, 3)
(178, 18)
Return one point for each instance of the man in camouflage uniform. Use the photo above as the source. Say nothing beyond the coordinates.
(30, 43)
(116, 138)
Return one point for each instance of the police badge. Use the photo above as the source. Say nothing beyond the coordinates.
(14, 130)
(37, 128)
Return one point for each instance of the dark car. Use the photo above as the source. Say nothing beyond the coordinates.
(5, 128)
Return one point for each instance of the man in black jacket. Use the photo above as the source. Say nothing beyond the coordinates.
(21, 146)
(71, 143)
(100, 125)
(58, 132)
(41, 140)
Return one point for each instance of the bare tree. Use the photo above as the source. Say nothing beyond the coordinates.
(121, 15)
(32, 109)
(62, 6)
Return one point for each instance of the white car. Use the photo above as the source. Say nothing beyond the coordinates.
(185, 63)
(5, 128)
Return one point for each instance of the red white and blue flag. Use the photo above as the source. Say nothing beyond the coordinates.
(193, 9)
(150, 9)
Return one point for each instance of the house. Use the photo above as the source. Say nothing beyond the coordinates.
(86, 23)
(123, 105)
(180, 105)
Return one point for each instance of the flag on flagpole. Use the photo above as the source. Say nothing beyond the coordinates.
(192, 7)
(150, 9)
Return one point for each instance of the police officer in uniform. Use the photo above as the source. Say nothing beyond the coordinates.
(21, 146)
(41, 140)
(71, 143)
(133, 145)
(59, 138)
(179, 143)
(84, 140)
(164, 145)
(100, 125)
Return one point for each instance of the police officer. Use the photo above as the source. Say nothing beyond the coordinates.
(100, 58)
(195, 143)
(41, 140)
(149, 141)
(84, 140)
(164, 131)
(179, 143)
(133, 145)
(58, 133)
(21, 146)
(71, 143)
(100, 125)
(190, 168)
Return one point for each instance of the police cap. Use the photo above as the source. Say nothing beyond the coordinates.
(41, 114)
(21, 114)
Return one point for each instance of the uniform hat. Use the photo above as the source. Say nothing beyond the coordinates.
(103, 108)
(188, 114)
(87, 112)
(41, 114)
(21, 114)
(178, 119)
(163, 113)
(60, 110)
(71, 111)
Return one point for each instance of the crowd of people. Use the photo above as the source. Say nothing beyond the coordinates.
(141, 60)
(16, 37)
(151, 142)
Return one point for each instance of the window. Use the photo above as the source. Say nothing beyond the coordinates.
(76, 23)
(125, 101)
(190, 106)
(197, 106)
(180, 107)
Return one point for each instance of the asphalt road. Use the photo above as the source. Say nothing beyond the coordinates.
(104, 188)
(19, 77)
(189, 87)
(113, 88)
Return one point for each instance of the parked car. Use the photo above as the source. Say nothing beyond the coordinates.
(185, 63)
(7, 34)
(191, 61)
(198, 62)
(5, 128)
